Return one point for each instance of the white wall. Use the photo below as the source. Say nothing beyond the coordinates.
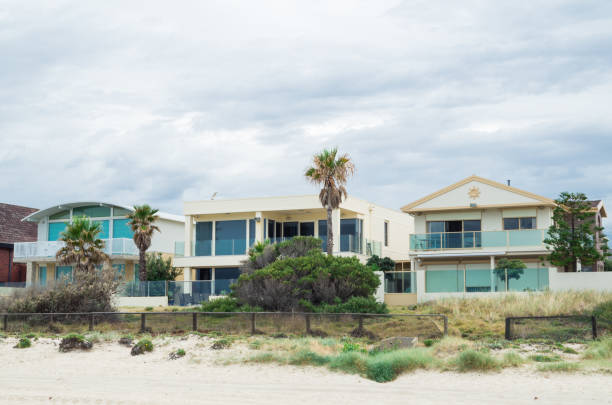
(598, 281)
(141, 301)
(380, 291)
(171, 231)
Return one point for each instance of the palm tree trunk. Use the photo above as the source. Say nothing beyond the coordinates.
(330, 232)
(142, 266)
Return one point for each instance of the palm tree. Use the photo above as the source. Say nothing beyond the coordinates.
(332, 173)
(83, 249)
(141, 222)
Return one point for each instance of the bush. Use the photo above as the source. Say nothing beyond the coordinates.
(354, 305)
(513, 359)
(223, 343)
(307, 357)
(599, 350)
(90, 292)
(74, 341)
(226, 304)
(541, 358)
(386, 366)
(160, 269)
(428, 342)
(472, 360)
(148, 309)
(286, 284)
(143, 345)
(603, 311)
(381, 263)
(264, 254)
(23, 343)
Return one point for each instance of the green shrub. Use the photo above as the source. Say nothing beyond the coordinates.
(560, 367)
(604, 311)
(148, 309)
(386, 366)
(429, 342)
(145, 344)
(286, 283)
(222, 343)
(568, 350)
(23, 343)
(75, 336)
(349, 362)
(542, 358)
(381, 263)
(472, 360)
(513, 359)
(351, 347)
(180, 352)
(599, 350)
(226, 304)
(307, 357)
(354, 305)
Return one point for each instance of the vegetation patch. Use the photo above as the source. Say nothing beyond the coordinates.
(599, 350)
(472, 360)
(386, 366)
(74, 341)
(177, 354)
(560, 367)
(542, 358)
(23, 343)
(143, 346)
(512, 359)
(223, 343)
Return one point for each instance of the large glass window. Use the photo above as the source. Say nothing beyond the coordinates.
(120, 212)
(271, 229)
(61, 215)
(351, 235)
(290, 229)
(224, 277)
(230, 237)
(519, 223)
(104, 229)
(279, 230)
(435, 226)
(323, 233)
(306, 228)
(119, 271)
(55, 230)
(400, 282)
(251, 232)
(121, 229)
(94, 211)
(42, 275)
(203, 236)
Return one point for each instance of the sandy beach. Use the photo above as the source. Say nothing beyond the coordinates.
(109, 375)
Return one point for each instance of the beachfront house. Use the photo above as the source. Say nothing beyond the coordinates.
(219, 233)
(39, 256)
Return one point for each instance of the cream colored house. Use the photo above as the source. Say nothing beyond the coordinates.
(219, 233)
(117, 235)
(461, 232)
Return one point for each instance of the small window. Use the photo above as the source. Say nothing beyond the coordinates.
(511, 224)
(519, 223)
(528, 223)
(471, 225)
(436, 226)
(386, 233)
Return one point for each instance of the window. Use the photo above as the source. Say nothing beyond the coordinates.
(290, 229)
(104, 229)
(252, 232)
(55, 230)
(203, 236)
(472, 225)
(120, 212)
(42, 275)
(323, 233)
(386, 233)
(519, 223)
(63, 273)
(121, 229)
(279, 230)
(94, 211)
(306, 228)
(61, 215)
(119, 271)
(351, 235)
(230, 237)
(271, 228)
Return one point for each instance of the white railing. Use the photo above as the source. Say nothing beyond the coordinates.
(119, 246)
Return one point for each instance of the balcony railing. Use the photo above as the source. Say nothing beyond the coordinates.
(476, 240)
(119, 246)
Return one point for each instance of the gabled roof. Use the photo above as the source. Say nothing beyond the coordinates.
(38, 215)
(543, 200)
(11, 228)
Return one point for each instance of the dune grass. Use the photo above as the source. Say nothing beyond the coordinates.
(512, 359)
(560, 367)
(599, 350)
(473, 360)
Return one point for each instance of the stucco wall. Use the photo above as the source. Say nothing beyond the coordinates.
(599, 281)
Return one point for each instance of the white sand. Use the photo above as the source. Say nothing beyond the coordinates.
(109, 375)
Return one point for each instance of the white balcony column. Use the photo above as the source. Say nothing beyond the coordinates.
(187, 279)
(492, 275)
(29, 273)
(336, 229)
(259, 227)
(188, 234)
(212, 281)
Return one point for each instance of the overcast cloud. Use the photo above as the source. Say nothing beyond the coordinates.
(162, 102)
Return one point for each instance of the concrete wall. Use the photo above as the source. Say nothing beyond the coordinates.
(171, 231)
(598, 281)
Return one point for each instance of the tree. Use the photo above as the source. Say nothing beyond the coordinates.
(141, 221)
(332, 172)
(508, 269)
(159, 269)
(381, 263)
(571, 237)
(83, 249)
(608, 265)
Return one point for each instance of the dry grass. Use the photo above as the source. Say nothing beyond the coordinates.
(484, 317)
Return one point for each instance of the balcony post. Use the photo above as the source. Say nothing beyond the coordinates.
(188, 233)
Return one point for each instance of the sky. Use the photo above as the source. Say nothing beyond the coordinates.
(163, 102)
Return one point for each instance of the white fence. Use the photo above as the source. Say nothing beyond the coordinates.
(598, 281)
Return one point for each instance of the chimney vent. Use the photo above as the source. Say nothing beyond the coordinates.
(508, 181)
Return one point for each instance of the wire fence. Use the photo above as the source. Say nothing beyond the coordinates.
(558, 328)
(373, 326)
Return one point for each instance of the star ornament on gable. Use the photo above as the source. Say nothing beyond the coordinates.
(474, 193)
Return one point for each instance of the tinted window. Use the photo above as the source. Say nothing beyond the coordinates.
(435, 226)
(307, 228)
(511, 223)
(528, 223)
(472, 225)
(290, 229)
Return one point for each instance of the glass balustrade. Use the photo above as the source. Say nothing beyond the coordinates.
(477, 280)
(474, 240)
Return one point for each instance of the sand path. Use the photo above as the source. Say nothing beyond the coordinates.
(109, 375)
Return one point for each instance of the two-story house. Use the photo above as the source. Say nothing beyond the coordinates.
(219, 233)
(39, 256)
(462, 230)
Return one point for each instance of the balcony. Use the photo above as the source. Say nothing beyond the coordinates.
(478, 240)
(48, 249)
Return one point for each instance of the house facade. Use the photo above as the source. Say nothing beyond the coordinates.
(219, 233)
(12, 230)
(39, 255)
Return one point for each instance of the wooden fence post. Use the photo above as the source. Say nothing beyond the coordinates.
(5, 322)
(194, 322)
(445, 325)
(253, 323)
(308, 330)
(143, 323)
(91, 322)
(508, 333)
(594, 326)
